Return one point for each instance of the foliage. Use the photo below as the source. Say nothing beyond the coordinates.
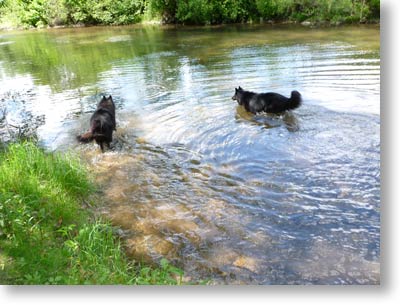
(34, 13)
(324, 10)
(45, 235)
(228, 11)
(104, 12)
(214, 11)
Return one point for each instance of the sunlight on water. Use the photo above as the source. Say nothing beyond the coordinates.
(226, 195)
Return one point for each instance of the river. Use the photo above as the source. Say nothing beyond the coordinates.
(229, 197)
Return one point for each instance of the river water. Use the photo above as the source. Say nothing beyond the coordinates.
(230, 197)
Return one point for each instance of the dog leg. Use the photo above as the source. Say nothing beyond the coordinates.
(86, 137)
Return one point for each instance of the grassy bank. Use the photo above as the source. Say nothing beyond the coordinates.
(48, 237)
(38, 13)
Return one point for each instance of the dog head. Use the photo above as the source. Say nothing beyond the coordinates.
(106, 103)
(238, 95)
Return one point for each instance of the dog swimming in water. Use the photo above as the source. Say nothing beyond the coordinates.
(102, 124)
(266, 102)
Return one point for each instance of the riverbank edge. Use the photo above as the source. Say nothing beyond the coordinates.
(49, 232)
(5, 27)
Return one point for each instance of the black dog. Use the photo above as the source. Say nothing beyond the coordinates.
(268, 102)
(102, 124)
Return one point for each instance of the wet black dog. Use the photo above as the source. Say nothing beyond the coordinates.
(102, 124)
(269, 102)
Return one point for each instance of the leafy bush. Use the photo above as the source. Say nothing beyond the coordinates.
(323, 10)
(33, 13)
(205, 11)
(104, 12)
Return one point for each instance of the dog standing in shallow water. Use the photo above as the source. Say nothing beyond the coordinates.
(102, 124)
(269, 102)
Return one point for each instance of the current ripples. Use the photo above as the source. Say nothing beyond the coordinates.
(257, 198)
(230, 196)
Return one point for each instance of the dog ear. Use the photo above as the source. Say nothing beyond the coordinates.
(240, 88)
(110, 97)
(104, 97)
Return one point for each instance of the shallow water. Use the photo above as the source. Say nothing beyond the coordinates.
(227, 196)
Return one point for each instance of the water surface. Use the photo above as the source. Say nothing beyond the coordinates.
(226, 195)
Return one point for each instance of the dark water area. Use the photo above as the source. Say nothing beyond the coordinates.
(226, 195)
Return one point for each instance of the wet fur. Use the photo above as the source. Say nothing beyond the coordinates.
(102, 124)
(266, 102)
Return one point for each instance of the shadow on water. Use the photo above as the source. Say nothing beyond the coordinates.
(287, 119)
(226, 195)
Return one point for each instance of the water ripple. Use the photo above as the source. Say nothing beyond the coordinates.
(224, 194)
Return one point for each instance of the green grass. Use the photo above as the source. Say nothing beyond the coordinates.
(47, 237)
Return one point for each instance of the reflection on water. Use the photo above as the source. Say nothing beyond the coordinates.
(226, 195)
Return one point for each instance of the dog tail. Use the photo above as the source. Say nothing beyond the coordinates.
(86, 137)
(294, 101)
